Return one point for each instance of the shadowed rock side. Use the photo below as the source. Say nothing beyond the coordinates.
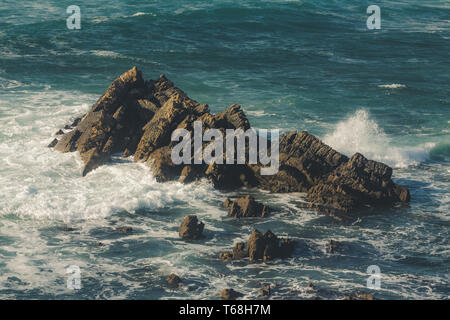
(136, 118)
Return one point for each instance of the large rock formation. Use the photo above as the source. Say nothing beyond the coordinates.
(136, 118)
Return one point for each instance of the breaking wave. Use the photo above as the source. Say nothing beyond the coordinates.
(360, 133)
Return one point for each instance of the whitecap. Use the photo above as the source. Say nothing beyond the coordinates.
(137, 14)
(392, 86)
(105, 53)
(100, 19)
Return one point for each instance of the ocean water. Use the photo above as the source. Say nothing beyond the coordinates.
(307, 65)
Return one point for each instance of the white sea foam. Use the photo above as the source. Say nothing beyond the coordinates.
(9, 84)
(100, 19)
(361, 134)
(392, 86)
(40, 182)
(105, 53)
(259, 113)
(137, 14)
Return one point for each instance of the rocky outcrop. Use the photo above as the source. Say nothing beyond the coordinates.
(260, 247)
(359, 296)
(333, 182)
(356, 183)
(304, 161)
(112, 125)
(191, 228)
(136, 118)
(245, 207)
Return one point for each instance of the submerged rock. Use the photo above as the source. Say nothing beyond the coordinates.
(245, 207)
(136, 118)
(174, 281)
(359, 296)
(230, 294)
(265, 291)
(191, 228)
(125, 229)
(260, 246)
(226, 256)
(333, 246)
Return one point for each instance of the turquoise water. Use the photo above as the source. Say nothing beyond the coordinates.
(306, 65)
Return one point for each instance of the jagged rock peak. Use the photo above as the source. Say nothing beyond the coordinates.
(136, 118)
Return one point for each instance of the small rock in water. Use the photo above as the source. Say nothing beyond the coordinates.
(333, 246)
(59, 132)
(226, 256)
(174, 281)
(359, 296)
(311, 286)
(125, 229)
(191, 228)
(260, 246)
(230, 294)
(265, 291)
(245, 207)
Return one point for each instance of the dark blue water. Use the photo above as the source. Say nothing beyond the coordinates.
(306, 65)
